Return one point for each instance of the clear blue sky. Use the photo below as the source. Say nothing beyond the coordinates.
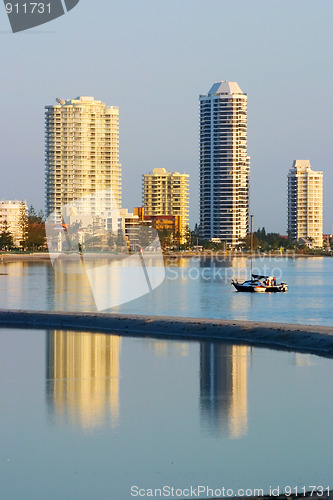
(153, 59)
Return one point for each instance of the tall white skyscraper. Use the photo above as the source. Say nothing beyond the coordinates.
(82, 154)
(224, 164)
(305, 203)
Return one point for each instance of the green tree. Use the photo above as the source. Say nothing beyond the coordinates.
(6, 237)
(33, 217)
(166, 237)
(23, 224)
(41, 216)
(189, 239)
(270, 241)
(36, 236)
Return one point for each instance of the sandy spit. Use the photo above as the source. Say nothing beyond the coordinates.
(305, 338)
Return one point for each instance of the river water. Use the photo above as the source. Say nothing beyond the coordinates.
(192, 288)
(98, 416)
(90, 416)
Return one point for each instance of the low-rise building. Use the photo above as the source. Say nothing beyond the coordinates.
(115, 230)
(13, 215)
(166, 225)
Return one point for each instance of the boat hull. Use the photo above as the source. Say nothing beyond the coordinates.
(240, 287)
(243, 288)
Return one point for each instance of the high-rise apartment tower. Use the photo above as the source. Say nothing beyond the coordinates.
(224, 164)
(305, 203)
(82, 154)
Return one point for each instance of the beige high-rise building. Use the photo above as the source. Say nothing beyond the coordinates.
(167, 193)
(82, 154)
(305, 203)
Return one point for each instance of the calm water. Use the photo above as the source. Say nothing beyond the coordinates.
(191, 288)
(87, 416)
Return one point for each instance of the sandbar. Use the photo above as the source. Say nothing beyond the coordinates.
(303, 338)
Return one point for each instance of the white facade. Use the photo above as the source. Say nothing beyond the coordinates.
(82, 154)
(224, 164)
(305, 203)
(11, 212)
(99, 226)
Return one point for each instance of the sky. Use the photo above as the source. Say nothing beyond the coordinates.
(153, 58)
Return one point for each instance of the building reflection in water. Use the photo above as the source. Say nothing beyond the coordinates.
(69, 288)
(233, 267)
(83, 378)
(223, 389)
(21, 285)
(301, 359)
(167, 347)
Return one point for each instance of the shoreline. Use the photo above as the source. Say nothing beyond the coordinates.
(302, 338)
(45, 257)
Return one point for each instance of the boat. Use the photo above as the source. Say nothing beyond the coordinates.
(260, 284)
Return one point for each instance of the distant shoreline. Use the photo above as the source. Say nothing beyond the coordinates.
(302, 338)
(38, 257)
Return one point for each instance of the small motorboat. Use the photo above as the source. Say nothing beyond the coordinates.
(260, 284)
